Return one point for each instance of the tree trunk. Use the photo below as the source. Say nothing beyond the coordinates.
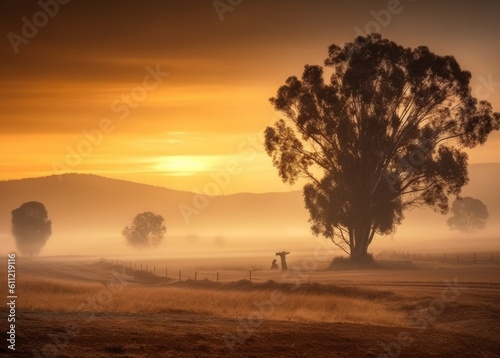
(361, 239)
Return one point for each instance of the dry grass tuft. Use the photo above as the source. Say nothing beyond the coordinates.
(35, 293)
(313, 288)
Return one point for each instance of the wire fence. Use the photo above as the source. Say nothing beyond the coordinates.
(292, 274)
(199, 275)
(452, 258)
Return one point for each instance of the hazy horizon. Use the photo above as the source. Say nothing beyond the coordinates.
(287, 188)
(89, 211)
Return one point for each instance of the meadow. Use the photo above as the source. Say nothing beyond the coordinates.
(70, 307)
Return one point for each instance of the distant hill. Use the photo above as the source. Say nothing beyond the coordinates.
(89, 206)
(95, 209)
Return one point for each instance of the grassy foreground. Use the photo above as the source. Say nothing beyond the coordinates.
(71, 308)
(273, 301)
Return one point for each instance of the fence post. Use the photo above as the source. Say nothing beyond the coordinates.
(250, 275)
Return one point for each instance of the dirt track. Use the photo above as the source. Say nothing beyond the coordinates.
(187, 335)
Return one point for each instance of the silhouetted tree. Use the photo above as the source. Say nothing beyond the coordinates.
(383, 135)
(31, 227)
(146, 230)
(469, 215)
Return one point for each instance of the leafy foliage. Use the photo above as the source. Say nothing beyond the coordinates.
(146, 230)
(31, 227)
(469, 215)
(383, 135)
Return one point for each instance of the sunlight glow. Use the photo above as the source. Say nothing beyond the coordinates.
(182, 165)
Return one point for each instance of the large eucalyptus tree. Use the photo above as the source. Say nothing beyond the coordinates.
(385, 133)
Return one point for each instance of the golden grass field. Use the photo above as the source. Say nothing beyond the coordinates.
(64, 296)
(83, 307)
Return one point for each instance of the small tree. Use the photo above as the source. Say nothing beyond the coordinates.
(469, 215)
(146, 230)
(31, 227)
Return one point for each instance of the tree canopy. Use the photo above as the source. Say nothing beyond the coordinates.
(147, 229)
(31, 227)
(385, 133)
(469, 215)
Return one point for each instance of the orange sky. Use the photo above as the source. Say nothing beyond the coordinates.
(86, 69)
